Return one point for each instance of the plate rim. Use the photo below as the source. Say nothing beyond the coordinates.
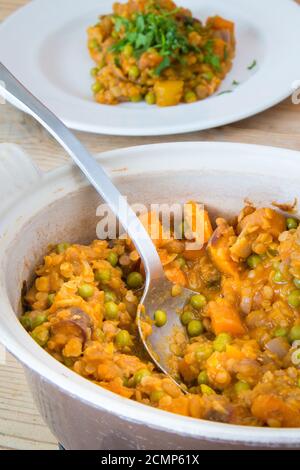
(163, 129)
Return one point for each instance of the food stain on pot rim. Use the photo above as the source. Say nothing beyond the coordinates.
(119, 170)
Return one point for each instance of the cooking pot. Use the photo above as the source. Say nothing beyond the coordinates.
(41, 209)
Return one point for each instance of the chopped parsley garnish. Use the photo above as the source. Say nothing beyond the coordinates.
(157, 31)
(254, 63)
(235, 83)
(224, 92)
(165, 63)
(117, 61)
(211, 58)
(226, 53)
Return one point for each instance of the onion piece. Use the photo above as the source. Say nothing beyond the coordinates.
(223, 34)
(278, 346)
(246, 304)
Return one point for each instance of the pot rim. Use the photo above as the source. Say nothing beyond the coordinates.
(36, 359)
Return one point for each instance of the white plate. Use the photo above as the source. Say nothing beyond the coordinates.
(44, 45)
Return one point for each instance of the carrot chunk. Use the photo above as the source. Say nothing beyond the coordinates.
(225, 318)
(168, 92)
(192, 255)
(218, 22)
(153, 226)
(176, 276)
(198, 221)
(270, 408)
(219, 250)
(266, 220)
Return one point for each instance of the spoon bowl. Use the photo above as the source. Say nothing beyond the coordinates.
(159, 343)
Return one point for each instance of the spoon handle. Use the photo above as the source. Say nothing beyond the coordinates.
(12, 90)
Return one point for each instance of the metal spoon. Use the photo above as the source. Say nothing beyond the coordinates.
(157, 291)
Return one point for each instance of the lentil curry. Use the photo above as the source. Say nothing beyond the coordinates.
(240, 363)
(153, 51)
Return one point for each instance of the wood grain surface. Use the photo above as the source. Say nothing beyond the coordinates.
(20, 424)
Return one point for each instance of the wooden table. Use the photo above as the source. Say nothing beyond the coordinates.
(20, 424)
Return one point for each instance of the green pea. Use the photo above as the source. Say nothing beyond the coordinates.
(221, 342)
(102, 64)
(68, 362)
(292, 223)
(277, 277)
(186, 317)
(93, 44)
(294, 299)
(133, 72)
(119, 269)
(50, 299)
(113, 259)
(140, 374)
(26, 321)
(128, 382)
(103, 275)
(128, 50)
(241, 386)
(38, 320)
(111, 311)
(156, 395)
(208, 76)
(202, 378)
(276, 265)
(176, 290)
(195, 328)
(40, 335)
(136, 98)
(204, 351)
(62, 247)
(190, 97)
(135, 280)
(198, 301)
(123, 339)
(294, 334)
(150, 98)
(296, 355)
(280, 332)
(181, 262)
(297, 283)
(86, 291)
(253, 261)
(206, 390)
(160, 318)
(99, 334)
(272, 252)
(110, 296)
(94, 71)
(96, 87)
